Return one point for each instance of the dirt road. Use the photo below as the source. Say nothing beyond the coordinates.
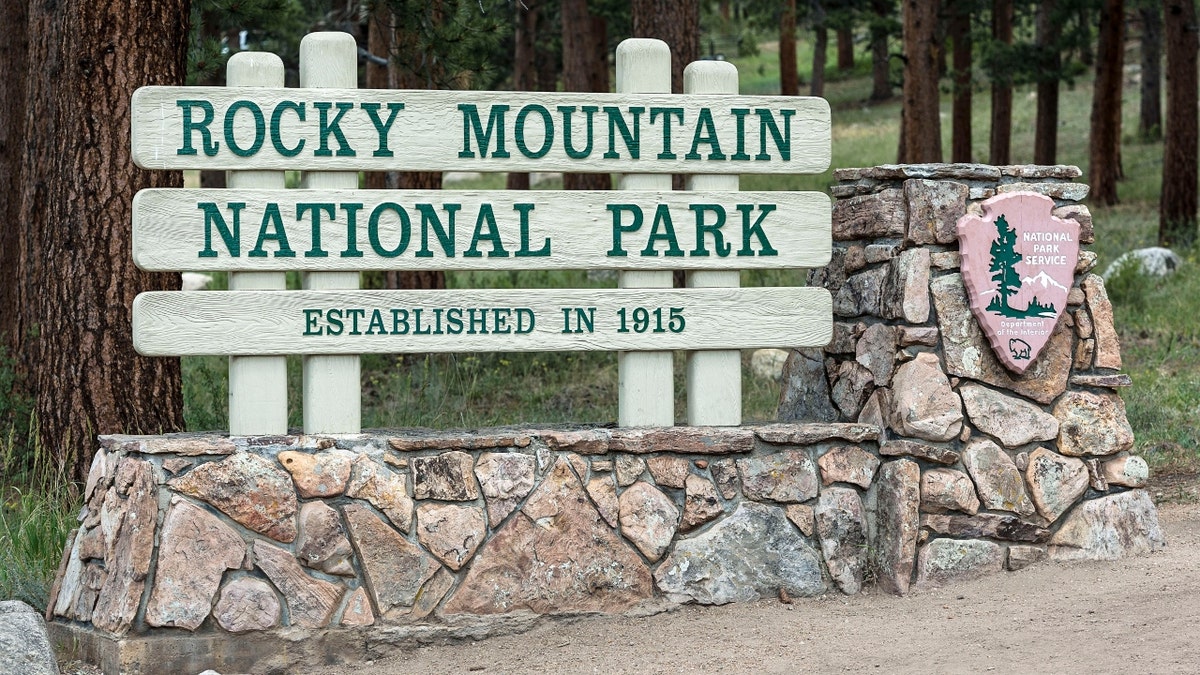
(1135, 615)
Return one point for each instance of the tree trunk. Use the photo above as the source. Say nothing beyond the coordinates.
(960, 35)
(922, 126)
(845, 48)
(1177, 210)
(405, 73)
(1001, 131)
(881, 82)
(379, 42)
(1150, 117)
(524, 69)
(676, 22)
(1105, 143)
(1045, 142)
(789, 76)
(583, 56)
(13, 63)
(86, 58)
(820, 47)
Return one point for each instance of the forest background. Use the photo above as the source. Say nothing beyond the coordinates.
(1108, 85)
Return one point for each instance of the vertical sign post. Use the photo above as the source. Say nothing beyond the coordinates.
(714, 378)
(257, 384)
(646, 388)
(332, 391)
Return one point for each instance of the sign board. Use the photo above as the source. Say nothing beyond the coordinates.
(1018, 264)
(358, 322)
(351, 230)
(411, 130)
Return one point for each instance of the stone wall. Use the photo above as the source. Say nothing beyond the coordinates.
(906, 454)
(1009, 469)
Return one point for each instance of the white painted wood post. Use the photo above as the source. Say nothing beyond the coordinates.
(646, 388)
(714, 379)
(332, 389)
(257, 384)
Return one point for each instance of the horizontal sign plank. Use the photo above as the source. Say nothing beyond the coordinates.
(412, 130)
(178, 323)
(315, 230)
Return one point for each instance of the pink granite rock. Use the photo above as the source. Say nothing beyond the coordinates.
(196, 550)
(1092, 424)
(788, 476)
(1130, 471)
(358, 610)
(1055, 482)
(251, 490)
(448, 477)
(394, 568)
(603, 492)
(384, 489)
(556, 555)
(802, 517)
(247, 604)
(897, 523)
(323, 474)
(1108, 346)
(996, 477)
(310, 601)
(701, 503)
(129, 517)
(321, 542)
(668, 471)
(841, 525)
(451, 532)
(1012, 420)
(649, 519)
(948, 490)
(923, 405)
(848, 464)
(505, 479)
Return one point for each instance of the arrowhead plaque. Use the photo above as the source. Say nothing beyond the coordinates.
(1018, 264)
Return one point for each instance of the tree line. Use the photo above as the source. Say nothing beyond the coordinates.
(72, 66)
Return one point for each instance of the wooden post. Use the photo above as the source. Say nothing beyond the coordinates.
(332, 391)
(646, 395)
(714, 379)
(257, 384)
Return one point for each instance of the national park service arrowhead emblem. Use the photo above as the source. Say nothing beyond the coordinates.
(1018, 264)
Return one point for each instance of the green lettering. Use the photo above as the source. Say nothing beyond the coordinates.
(316, 251)
(272, 230)
(542, 252)
(662, 216)
(740, 114)
(311, 317)
(277, 134)
(382, 128)
(547, 137)
(260, 128)
(618, 229)
(488, 219)
(783, 141)
(706, 132)
(632, 139)
(232, 239)
(351, 230)
(566, 110)
(483, 139)
(373, 230)
(719, 244)
(666, 126)
(429, 217)
(755, 230)
(189, 126)
(333, 126)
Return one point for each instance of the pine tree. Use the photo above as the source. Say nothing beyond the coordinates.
(1004, 265)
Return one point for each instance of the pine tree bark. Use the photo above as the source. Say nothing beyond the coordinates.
(584, 55)
(845, 48)
(524, 68)
(1000, 145)
(789, 76)
(378, 76)
(1150, 113)
(78, 277)
(1045, 141)
(1177, 208)
(820, 49)
(921, 123)
(881, 82)
(960, 36)
(676, 22)
(1105, 142)
(13, 63)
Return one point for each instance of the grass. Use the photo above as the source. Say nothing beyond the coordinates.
(37, 512)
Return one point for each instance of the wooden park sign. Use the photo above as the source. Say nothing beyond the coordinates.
(1018, 265)
(256, 129)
